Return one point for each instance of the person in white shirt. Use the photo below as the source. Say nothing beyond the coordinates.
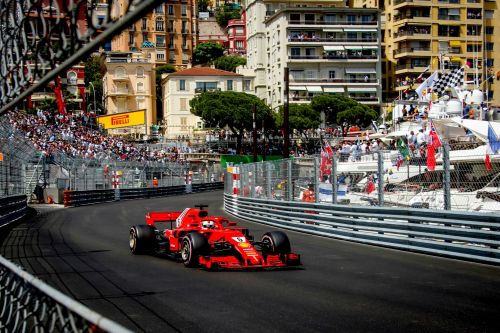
(420, 138)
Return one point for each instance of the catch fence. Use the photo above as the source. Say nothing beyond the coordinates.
(458, 179)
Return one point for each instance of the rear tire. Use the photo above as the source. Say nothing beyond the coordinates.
(142, 239)
(276, 242)
(193, 245)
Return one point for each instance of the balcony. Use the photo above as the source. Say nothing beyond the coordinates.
(127, 60)
(418, 33)
(449, 17)
(332, 23)
(411, 50)
(119, 92)
(416, 17)
(335, 80)
(202, 90)
(160, 44)
(410, 68)
(415, 2)
(334, 40)
(333, 56)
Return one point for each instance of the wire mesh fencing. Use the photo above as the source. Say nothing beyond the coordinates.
(451, 178)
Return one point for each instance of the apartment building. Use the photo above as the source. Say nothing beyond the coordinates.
(236, 34)
(129, 85)
(171, 29)
(442, 34)
(180, 87)
(327, 47)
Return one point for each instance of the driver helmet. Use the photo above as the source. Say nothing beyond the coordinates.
(208, 224)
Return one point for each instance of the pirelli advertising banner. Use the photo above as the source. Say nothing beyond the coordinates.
(125, 119)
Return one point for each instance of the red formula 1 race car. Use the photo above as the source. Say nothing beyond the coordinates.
(209, 241)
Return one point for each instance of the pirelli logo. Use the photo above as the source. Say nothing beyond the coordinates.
(120, 120)
(125, 119)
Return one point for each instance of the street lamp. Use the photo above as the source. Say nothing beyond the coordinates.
(93, 89)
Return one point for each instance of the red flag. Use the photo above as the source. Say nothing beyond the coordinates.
(431, 158)
(61, 106)
(434, 139)
(487, 160)
(370, 187)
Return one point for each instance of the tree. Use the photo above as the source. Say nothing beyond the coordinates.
(207, 52)
(165, 69)
(231, 109)
(203, 5)
(229, 63)
(301, 117)
(340, 109)
(225, 13)
(94, 70)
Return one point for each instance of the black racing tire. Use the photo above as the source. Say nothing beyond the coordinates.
(276, 242)
(142, 239)
(193, 245)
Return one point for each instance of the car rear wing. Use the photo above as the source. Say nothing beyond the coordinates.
(155, 217)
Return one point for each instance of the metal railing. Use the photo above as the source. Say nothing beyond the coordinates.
(12, 209)
(461, 235)
(29, 305)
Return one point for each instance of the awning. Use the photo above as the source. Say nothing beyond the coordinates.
(333, 89)
(370, 47)
(353, 47)
(333, 30)
(455, 43)
(314, 89)
(360, 71)
(298, 88)
(333, 47)
(456, 59)
(362, 89)
(359, 30)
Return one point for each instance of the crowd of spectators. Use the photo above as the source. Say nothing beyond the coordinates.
(70, 135)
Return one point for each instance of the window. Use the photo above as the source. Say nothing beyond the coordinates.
(144, 23)
(488, 30)
(331, 74)
(159, 25)
(240, 45)
(159, 9)
(183, 123)
(229, 84)
(182, 85)
(140, 71)
(489, 46)
(295, 52)
(160, 40)
(183, 10)
(120, 72)
(184, 27)
(160, 56)
(131, 38)
(183, 104)
(184, 42)
(170, 26)
(247, 85)
(72, 77)
(144, 36)
(170, 9)
(140, 87)
(488, 14)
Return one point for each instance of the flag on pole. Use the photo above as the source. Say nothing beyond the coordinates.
(325, 167)
(452, 79)
(419, 78)
(61, 106)
(426, 84)
(492, 147)
(403, 149)
(434, 139)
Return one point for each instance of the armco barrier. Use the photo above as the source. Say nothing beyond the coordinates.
(462, 235)
(79, 198)
(12, 209)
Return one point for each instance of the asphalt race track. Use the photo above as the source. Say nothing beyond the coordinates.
(341, 287)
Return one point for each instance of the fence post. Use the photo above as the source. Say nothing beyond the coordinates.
(289, 181)
(333, 179)
(380, 165)
(316, 179)
(269, 191)
(446, 179)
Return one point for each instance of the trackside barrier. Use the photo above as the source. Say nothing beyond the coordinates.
(462, 235)
(79, 198)
(12, 209)
(30, 305)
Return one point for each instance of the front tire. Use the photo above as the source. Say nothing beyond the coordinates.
(142, 239)
(193, 245)
(276, 242)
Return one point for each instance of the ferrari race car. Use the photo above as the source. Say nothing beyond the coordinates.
(209, 241)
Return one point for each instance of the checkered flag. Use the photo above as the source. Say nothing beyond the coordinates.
(452, 79)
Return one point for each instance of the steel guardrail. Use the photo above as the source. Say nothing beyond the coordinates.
(29, 305)
(462, 235)
(12, 209)
(81, 198)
